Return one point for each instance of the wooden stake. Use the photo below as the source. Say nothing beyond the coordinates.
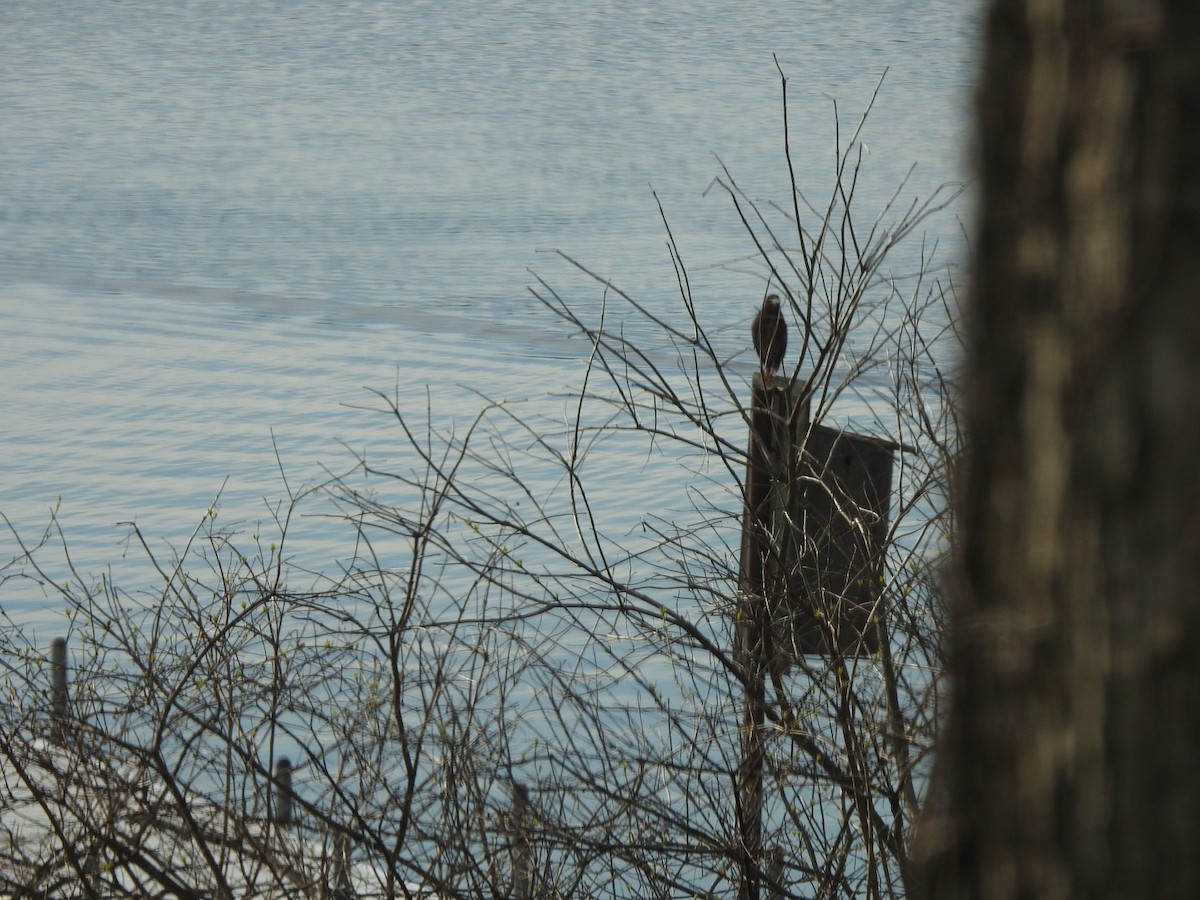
(777, 413)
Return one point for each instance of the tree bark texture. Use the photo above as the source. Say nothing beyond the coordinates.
(1070, 766)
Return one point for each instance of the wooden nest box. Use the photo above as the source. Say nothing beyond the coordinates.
(814, 534)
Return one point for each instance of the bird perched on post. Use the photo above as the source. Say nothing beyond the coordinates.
(770, 337)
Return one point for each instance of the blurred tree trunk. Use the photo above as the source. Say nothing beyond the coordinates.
(1071, 763)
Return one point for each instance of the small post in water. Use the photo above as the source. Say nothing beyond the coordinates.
(523, 844)
(283, 792)
(59, 706)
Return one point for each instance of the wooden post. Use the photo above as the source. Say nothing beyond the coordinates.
(522, 843)
(340, 885)
(775, 870)
(777, 414)
(59, 705)
(283, 792)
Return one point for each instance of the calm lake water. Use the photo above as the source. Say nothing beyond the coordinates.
(222, 222)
